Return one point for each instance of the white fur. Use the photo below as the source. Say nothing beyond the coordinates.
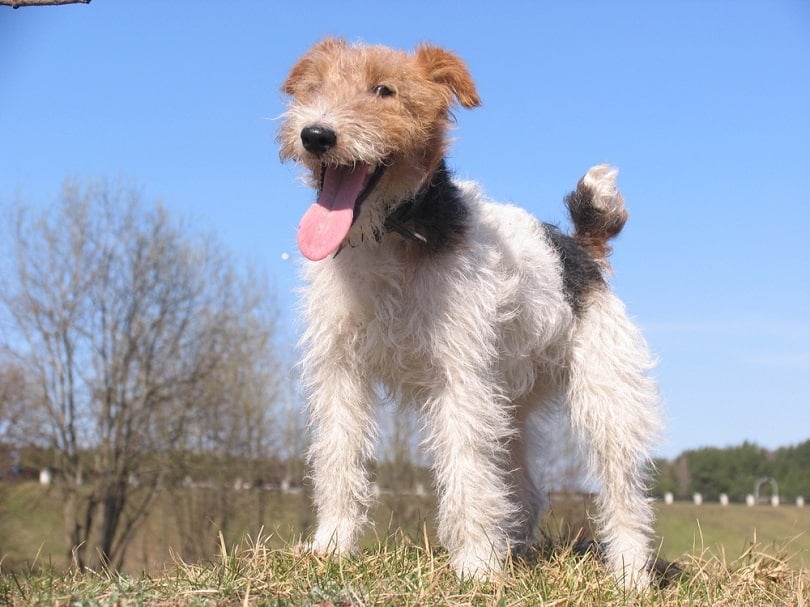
(482, 341)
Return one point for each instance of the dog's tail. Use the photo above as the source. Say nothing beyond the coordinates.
(597, 211)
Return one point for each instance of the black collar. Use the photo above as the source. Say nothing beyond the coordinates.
(398, 219)
(436, 217)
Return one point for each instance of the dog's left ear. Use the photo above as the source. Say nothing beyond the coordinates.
(445, 68)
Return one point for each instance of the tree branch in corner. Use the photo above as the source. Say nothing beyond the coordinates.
(19, 3)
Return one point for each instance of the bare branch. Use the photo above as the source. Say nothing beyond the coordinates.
(19, 3)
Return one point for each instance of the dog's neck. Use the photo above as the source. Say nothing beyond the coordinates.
(435, 218)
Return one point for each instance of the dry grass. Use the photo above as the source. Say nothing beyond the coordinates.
(402, 573)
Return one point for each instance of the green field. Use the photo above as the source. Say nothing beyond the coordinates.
(730, 530)
(31, 527)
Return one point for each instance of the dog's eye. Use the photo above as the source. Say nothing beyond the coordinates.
(383, 91)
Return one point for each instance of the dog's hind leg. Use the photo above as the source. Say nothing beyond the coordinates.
(614, 409)
(531, 453)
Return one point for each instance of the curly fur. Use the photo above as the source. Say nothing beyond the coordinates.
(478, 315)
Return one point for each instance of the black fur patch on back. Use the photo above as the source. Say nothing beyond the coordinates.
(581, 274)
(437, 217)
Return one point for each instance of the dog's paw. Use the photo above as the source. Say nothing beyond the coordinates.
(638, 581)
(324, 545)
(630, 565)
(477, 565)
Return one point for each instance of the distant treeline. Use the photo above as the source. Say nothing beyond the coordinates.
(711, 471)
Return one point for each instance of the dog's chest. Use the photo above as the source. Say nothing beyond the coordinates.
(403, 316)
(402, 310)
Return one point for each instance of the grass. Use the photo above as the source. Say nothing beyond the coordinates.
(402, 573)
(734, 556)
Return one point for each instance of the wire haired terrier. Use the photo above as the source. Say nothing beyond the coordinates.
(475, 313)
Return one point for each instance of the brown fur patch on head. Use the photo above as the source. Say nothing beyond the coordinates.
(386, 106)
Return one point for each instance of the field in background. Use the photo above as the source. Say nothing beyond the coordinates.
(31, 528)
(730, 530)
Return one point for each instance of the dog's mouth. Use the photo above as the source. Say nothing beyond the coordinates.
(327, 222)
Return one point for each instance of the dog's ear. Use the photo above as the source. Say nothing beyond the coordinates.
(299, 72)
(445, 68)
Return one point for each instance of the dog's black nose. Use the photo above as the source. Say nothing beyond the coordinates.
(318, 139)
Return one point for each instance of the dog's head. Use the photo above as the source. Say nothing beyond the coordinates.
(369, 124)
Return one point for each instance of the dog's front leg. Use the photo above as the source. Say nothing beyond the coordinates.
(469, 429)
(344, 429)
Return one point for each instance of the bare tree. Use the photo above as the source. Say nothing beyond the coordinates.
(133, 331)
(232, 439)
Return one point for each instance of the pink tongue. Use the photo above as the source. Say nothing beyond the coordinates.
(326, 223)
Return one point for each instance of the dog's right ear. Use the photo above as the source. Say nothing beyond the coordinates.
(445, 68)
(301, 70)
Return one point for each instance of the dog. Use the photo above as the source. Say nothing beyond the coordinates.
(475, 313)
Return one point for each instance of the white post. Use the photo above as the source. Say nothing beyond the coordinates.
(669, 499)
(800, 502)
(723, 499)
(750, 500)
(698, 499)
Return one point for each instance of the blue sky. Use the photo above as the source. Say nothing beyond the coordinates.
(704, 106)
